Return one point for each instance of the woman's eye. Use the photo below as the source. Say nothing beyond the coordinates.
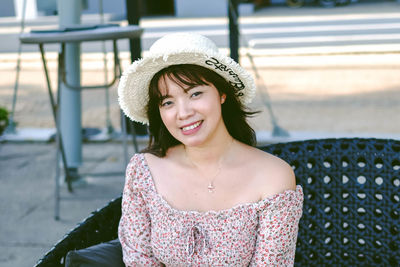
(166, 103)
(196, 94)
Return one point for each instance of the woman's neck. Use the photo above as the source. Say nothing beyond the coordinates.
(210, 154)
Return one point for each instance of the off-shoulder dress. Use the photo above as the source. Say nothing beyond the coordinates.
(152, 233)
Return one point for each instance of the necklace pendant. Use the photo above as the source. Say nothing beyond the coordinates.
(211, 187)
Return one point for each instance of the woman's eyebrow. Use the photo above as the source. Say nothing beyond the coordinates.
(163, 97)
(187, 89)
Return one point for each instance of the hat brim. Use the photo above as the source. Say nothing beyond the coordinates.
(133, 88)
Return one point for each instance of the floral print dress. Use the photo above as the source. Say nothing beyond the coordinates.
(152, 233)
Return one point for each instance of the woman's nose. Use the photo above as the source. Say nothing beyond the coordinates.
(184, 110)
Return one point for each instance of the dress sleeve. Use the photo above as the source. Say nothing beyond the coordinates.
(278, 228)
(134, 226)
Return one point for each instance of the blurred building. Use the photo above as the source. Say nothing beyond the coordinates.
(178, 8)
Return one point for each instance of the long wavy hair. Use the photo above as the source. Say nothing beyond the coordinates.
(234, 114)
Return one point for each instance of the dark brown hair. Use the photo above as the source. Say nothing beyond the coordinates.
(234, 114)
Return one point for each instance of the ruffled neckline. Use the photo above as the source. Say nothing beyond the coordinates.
(259, 205)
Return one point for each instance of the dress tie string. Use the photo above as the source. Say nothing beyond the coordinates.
(197, 235)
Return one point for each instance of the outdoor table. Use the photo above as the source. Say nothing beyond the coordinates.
(77, 34)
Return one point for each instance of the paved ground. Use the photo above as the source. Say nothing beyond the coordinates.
(27, 227)
(351, 94)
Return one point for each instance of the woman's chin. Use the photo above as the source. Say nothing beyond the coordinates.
(193, 141)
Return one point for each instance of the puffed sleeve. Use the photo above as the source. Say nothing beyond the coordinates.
(278, 228)
(134, 226)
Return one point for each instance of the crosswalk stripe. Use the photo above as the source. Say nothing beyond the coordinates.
(336, 38)
(178, 22)
(294, 29)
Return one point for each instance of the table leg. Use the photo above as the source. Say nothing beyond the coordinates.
(117, 69)
(54, 108)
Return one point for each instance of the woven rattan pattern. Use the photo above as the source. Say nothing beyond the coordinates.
(100, 226)
(351, 205)
(351, 201)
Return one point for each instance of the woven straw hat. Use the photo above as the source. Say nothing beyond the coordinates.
(174, 49)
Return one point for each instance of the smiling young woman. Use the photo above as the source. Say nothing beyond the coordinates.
(201, 194)
(210, 90)
(191, 114)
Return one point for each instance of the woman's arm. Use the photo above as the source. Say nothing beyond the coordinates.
(278, 228)
(134, 227)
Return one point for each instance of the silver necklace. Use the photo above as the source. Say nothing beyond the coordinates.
(211, 186)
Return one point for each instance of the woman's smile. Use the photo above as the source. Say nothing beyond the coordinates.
(191, 128)
(191, 114)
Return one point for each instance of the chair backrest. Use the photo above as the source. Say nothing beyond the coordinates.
(351, 200)
(100, 226)
(351, 205)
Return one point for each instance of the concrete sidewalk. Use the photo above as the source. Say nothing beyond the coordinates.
(312, 96)
(27, 225)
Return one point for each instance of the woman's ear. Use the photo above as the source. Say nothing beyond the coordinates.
(223, 97)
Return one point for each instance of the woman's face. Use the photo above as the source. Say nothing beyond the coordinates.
(191, 114)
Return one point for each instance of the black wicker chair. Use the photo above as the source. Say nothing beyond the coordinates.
(351, 205)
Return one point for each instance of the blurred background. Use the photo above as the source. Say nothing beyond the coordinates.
(325, 68)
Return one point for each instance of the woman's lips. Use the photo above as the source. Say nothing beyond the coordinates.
(191, 128)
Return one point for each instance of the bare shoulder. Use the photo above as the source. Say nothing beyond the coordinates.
(170, 157)
(151, 159)
(273, 175)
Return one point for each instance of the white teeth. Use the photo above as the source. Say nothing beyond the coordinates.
(191, 126)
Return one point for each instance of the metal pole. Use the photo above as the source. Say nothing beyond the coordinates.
(56, 112)
(123, 124)
(11, 126)
(133, 17)
(233, 29)
(234, 34)
(70, 100)
(109, 126)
